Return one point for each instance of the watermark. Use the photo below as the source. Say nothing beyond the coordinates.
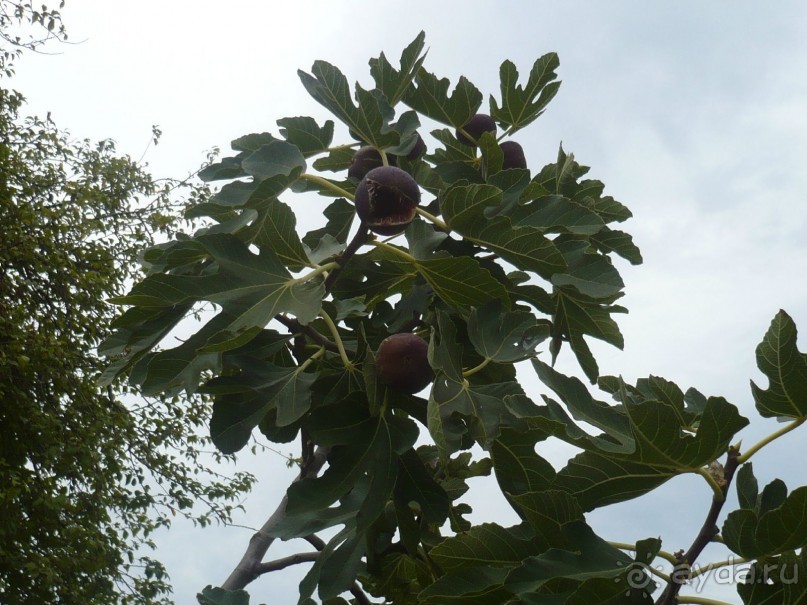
(732, 571)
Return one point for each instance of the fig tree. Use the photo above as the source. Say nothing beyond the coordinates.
(475, 127)
(402, 362)
(364, 160)
(386, 200)
(513, 155)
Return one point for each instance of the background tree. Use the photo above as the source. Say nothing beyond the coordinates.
(27, 26)
(499, 259)
(87, 473)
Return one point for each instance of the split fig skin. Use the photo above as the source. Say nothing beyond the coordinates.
(402, 363)
(387, 199)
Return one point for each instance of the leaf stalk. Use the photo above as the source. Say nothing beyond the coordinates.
(318, 270)
(325, 183)
(772, 437)
(394, 250)
(337, 339)
(477, 368)
(439, 223)
(719, 496)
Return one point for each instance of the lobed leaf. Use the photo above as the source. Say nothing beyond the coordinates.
(760, 532)
(274, 159)
(304, 133)
(521, 105)
(464, 208)
(505, 336)
(786, 369)
(487, 544)
(329, 87)
(557, 213)
(394, 83)
(596, 479)
(431, 99)
(460, 282)
(589, 273)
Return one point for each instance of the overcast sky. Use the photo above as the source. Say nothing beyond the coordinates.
(694, 115)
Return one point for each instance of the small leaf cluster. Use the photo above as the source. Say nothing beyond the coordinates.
(27, 25)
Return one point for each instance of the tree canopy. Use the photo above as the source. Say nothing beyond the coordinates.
(87, 473)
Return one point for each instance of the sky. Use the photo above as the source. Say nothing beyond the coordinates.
(693, 114)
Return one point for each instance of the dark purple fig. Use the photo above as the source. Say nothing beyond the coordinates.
(387, 200)
(418, 150)
(513, 155)
(475, 127)
(402, 363)
(364, 160)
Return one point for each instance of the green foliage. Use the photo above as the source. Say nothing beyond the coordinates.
(786, 370)
(26, 25)
(497, 264)
(87, 473)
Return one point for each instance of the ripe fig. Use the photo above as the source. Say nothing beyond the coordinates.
(418, 150)
(402, 363)
(386, 200)
(364, 160)
(477, 125)
(513, 155)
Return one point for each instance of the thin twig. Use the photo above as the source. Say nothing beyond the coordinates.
(295, 327)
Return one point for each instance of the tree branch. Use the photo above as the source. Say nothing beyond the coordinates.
(357, 592)
(362, 237)
(283, 563)
(249, 567)
(707, 533)
(315, 541)
(295, 327)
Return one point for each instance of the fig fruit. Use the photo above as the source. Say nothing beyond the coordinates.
(513, 155)
(402, 363)
(386, 200)
(364, 160)
(418, 150)
(475, 127)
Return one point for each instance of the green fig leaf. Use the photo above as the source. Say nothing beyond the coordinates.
(277, 158)
(340, 215)
(329, 87)
(487, 544)
(589, 273)
(305, 134)
(757, 533)
(519, 469)
(219, 596)
(559, 214)
(505, 336)
(394, 83)
(521, 105)
(786, 369)
(464, 208)
(276, 231)
(431, 99)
